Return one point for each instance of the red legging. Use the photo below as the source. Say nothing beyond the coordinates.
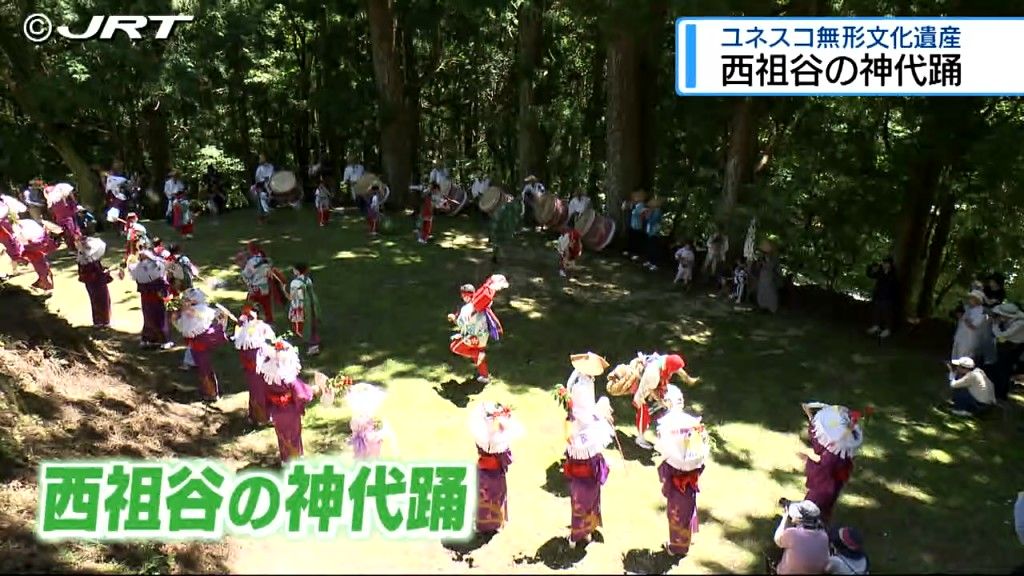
(373, 224)
(186, 229)
(425, 229)
(475, 353)
(324, 216)
(643, 418)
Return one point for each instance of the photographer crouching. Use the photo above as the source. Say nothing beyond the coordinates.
(802, 540)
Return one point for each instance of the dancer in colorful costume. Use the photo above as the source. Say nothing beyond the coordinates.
(304, 309)
(150, 274)
(322, 201)
(835, 435)
(683, 443)
(63, 210)
(493, 428)
(371, 436)
(426, 217)
(570, 248)
(477, 324)
(181, 215)
(204, 330)
(589, 431)
(136, 237)
(95, 277)
(251, 334)
(265, 283)
(649, 395)
(287, 395)
(26, 241)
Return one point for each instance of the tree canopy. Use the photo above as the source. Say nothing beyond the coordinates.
(578, 92)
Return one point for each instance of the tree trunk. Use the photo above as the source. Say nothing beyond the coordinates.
(622, 120)
(933, 266)
(592, 123)
(651, 89)
(531, 52)
(157, 144)
(913, 219)
(396, 127)
(413, 94)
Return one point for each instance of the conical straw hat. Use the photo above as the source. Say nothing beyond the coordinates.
(362, 186)
(590, 364)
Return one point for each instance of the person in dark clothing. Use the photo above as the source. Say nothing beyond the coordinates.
(884, 298)
(995, 289)
(215, 188)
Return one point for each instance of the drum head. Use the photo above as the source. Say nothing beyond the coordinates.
(585, 221)
(490, 198)
(282, 182)
(362, 186)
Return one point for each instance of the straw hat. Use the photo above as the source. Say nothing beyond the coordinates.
(530, 179)
(966, 363)
(590, 364)
(655, 202)
(976, 295)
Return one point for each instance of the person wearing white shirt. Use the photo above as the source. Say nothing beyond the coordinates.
(686, 259)
(353, 172)
(172, 186)
(972, 390)
(577, 206)
(1008, 330)
(439, 174)
(480, 185)
(532, 191)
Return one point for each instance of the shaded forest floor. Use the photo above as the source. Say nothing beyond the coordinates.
(931, 492)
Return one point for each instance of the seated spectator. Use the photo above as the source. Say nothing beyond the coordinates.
(973, 393)
(847, 553)
(802, 538)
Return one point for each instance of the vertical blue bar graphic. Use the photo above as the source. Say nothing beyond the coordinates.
(691, 55)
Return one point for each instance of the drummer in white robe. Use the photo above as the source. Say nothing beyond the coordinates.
(439, 173)
(533, 189)
(264, 172)
(172, 186)
(579, 204)
(353, 172)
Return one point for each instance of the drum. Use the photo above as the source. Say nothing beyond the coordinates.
(362, 186)
(492, 199)
(282, 182)
(455, 199)
(552, 213)
(597, 231)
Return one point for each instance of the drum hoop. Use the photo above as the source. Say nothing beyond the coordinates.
(278, 177)
(608, 239)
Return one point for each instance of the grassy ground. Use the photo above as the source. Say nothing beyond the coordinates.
(930, 492)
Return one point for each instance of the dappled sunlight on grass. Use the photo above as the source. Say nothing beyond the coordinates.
(384, 303)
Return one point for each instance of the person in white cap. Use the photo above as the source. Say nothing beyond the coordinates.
(64, 210)
(970, 329)
(494, 429)
(370, 434)
(252, 334)
(1008, 329)
(287, 395)
(590, 430)
(971, 388)
(802, 538)
(683, 443)
(204, 329)
(95, 277)
(150, 274)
